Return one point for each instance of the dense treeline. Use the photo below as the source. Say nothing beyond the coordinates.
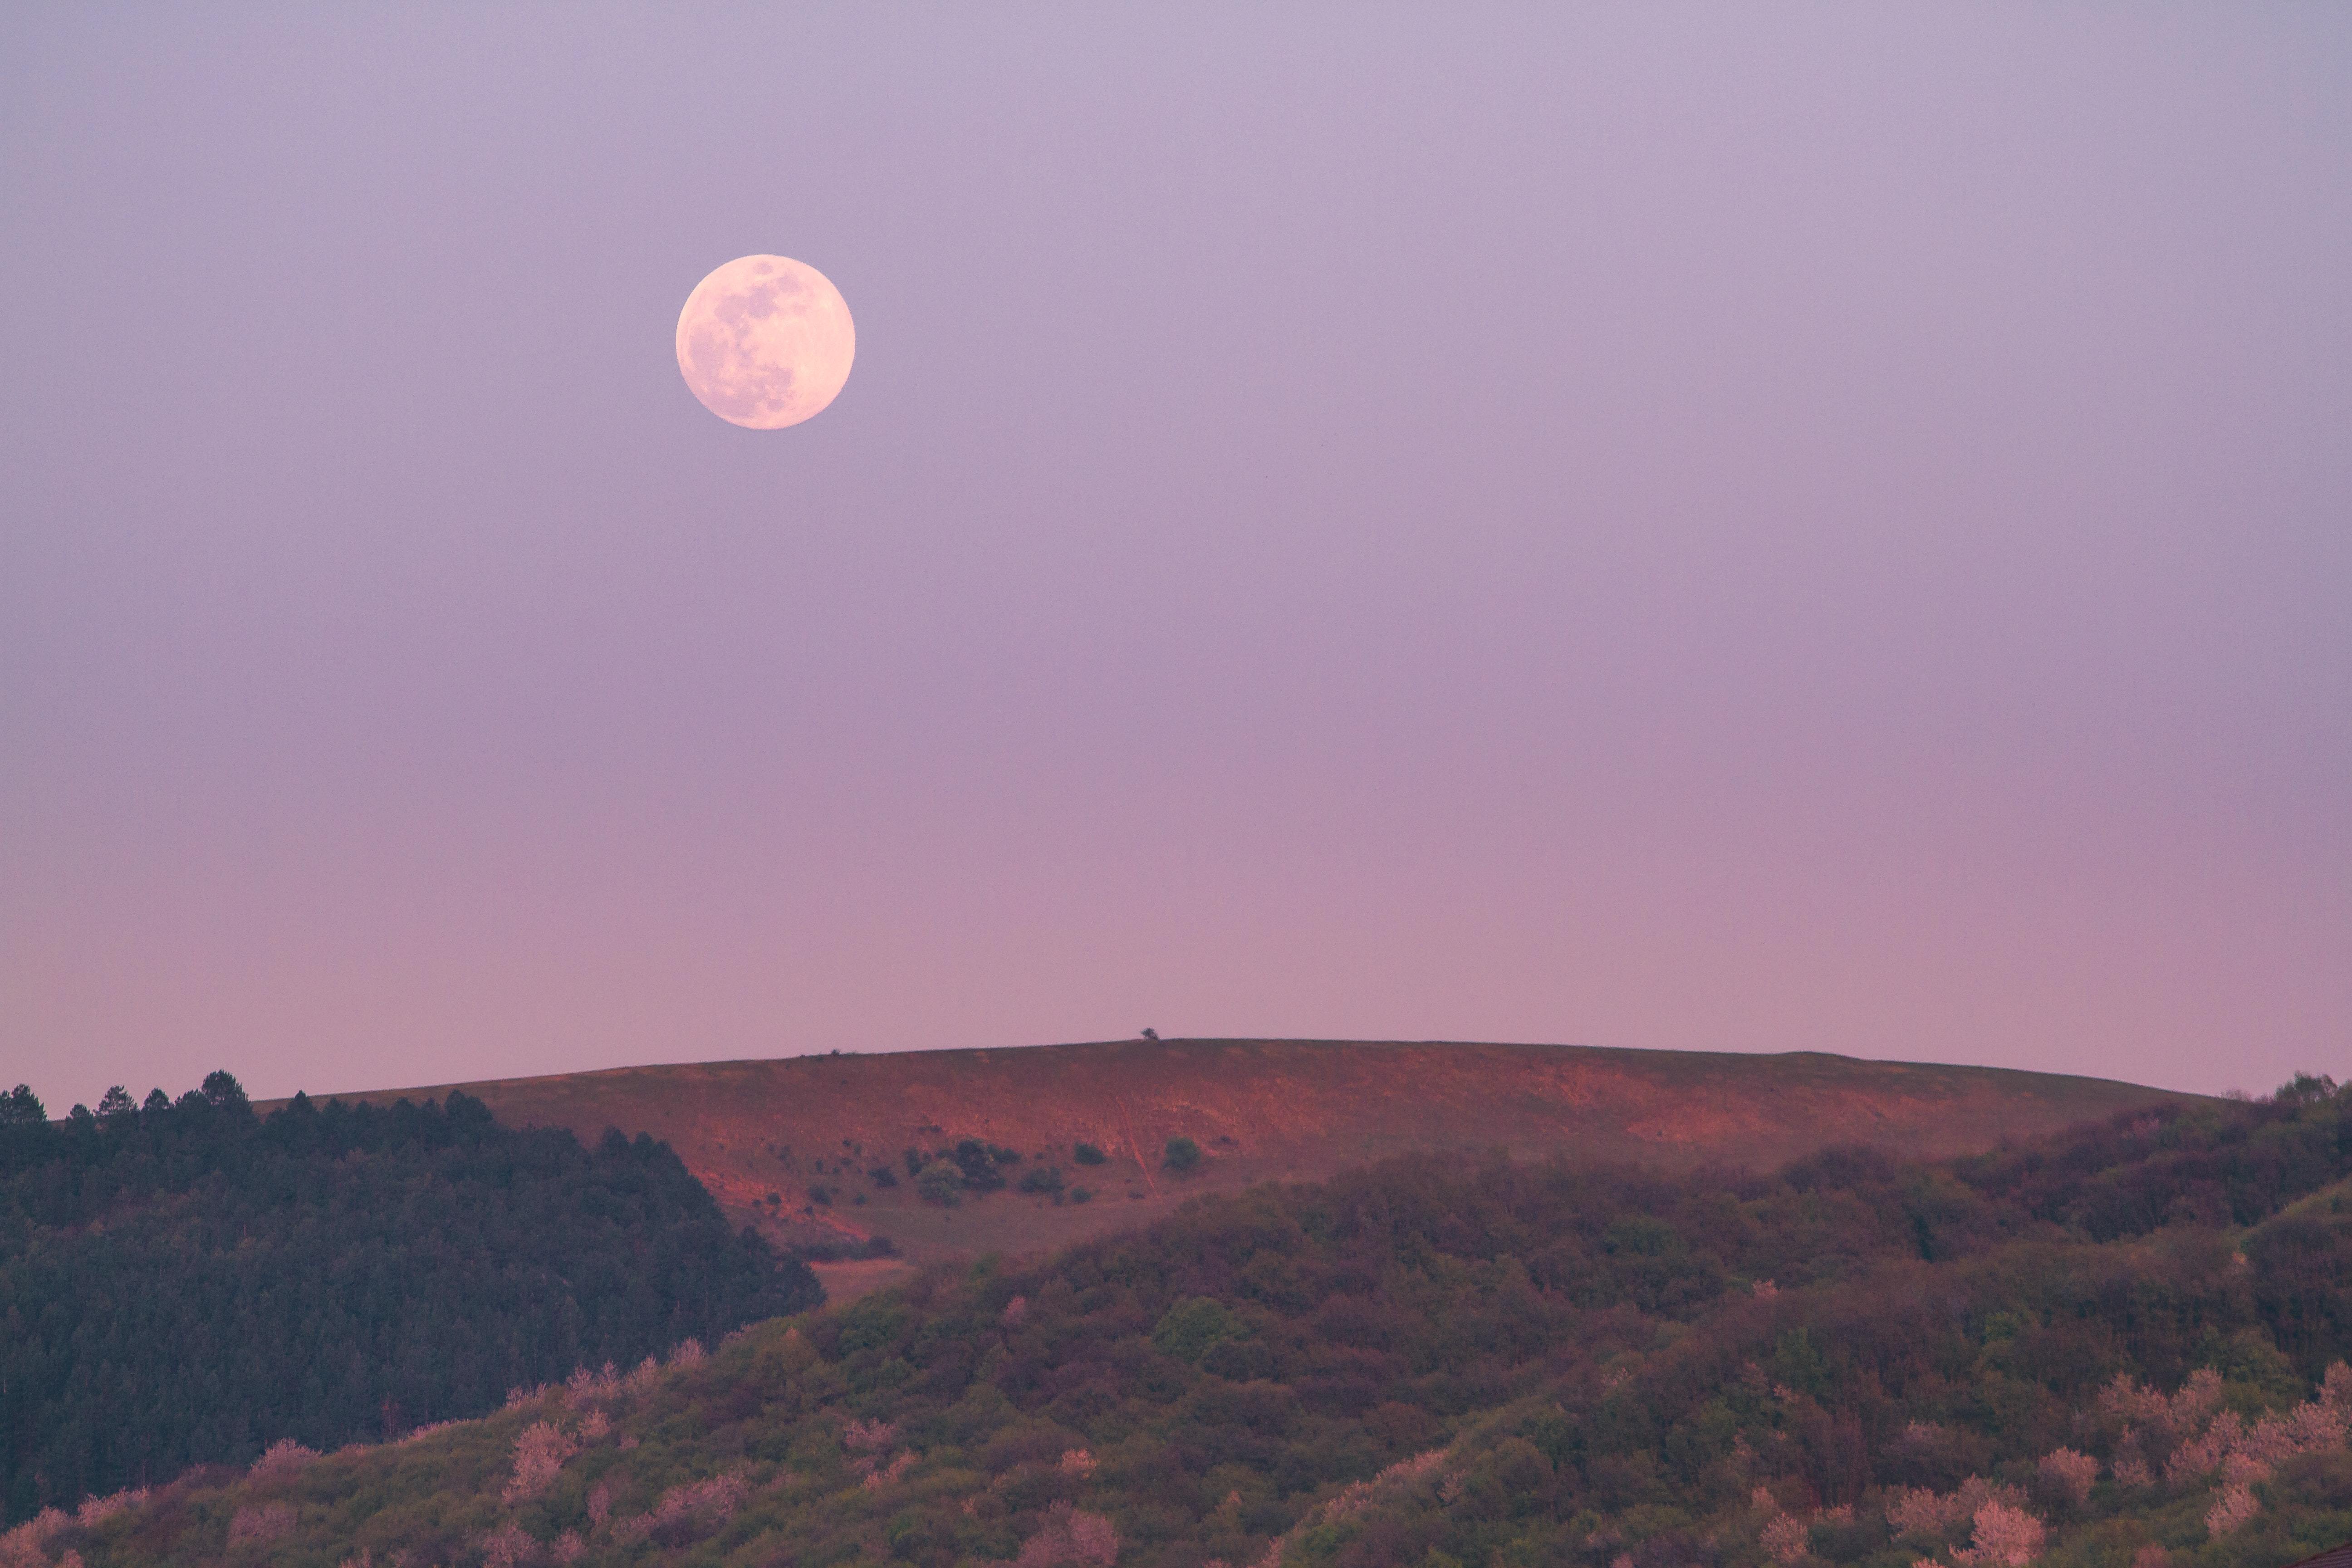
(185, 1282)
(2116, 1348)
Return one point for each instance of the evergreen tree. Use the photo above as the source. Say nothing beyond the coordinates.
(183, 1283)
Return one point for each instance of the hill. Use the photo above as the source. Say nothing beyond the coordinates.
(2120, 1347)
(184, 1283)
(813, 1129)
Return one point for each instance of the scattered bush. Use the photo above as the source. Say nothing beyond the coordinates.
(1087, 1155)
(940, 1182)
(1183, 1156)
(978, 1163)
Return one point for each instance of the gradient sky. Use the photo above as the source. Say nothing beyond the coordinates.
(1720, 527)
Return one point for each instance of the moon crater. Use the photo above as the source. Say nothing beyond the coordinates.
(765, 342)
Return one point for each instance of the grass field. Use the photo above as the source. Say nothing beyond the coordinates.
(1259, 1110)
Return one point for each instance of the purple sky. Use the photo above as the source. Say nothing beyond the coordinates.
(1718, 527)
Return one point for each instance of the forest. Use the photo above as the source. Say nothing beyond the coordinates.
(183, 1282)
(2119, 1347)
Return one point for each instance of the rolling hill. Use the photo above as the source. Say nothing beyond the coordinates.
(2120, 1346)
(811, 1129)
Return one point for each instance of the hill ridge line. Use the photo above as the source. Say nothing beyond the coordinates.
(814, 1149)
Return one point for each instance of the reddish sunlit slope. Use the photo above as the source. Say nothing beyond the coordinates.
(1260, 1110)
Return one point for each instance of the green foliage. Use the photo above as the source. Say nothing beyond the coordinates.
(978, 1163)
(1191, 1328)
(22, 1108)
(183, 1283)
(1087, 1155)
(1040, 1179)
(942, 1183)
(1183, 1156)
(1440, 1363)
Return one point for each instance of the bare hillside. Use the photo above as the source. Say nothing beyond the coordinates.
(1259, 1109)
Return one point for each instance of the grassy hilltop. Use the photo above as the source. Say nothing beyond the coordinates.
(812, 1129)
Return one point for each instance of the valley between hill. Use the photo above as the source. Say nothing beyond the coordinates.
(812, 1129)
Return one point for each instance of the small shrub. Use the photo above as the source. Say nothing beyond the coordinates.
(976, 1161)
(1087, 1155)
(1183, 1156)
(883, 1176)
(1041, 1179)
(942, 1184)
(1082, 1195)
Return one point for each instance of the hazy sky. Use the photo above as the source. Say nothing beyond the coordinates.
(1724, 527)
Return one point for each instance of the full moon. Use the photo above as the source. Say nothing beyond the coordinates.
(765, 342)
